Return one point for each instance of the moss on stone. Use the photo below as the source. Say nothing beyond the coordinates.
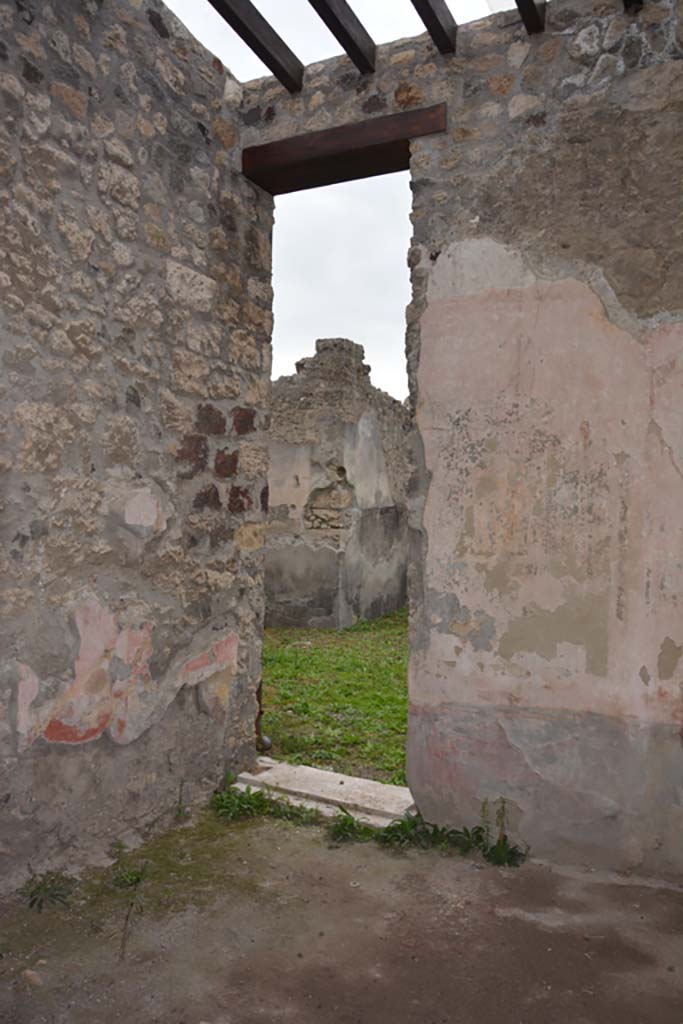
(187, 866)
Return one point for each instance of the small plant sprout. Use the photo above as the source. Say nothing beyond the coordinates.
(182, 811)
(501, 816)
(344, 828)
(52, 888)
(129, 876)
(135, 909)
(486, 819)
(502, 852)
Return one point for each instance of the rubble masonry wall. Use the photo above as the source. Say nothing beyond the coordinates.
(135, 318)
(545, 352)
(337, 541)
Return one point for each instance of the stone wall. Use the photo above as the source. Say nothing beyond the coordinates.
(135, 319)
(339, 467)
(545, 348)
(545, 351)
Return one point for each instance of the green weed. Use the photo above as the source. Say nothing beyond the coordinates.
(52, 888)
(505, 855)
(233, 804)
(128, 876)
(344, 828)
(472, 839)
(409, 832)
(502, 852)
(413, 832)
(238, 805)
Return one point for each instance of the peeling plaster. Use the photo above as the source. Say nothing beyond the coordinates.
(669, 657)
(581, 621)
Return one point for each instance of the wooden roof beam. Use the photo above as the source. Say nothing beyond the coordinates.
(257, 33)
(439, 22)
(533, 15)
(380, 145)
(348, 31)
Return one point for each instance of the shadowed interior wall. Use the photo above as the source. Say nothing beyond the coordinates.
(545, 348)
(135, 321)
(337, 543)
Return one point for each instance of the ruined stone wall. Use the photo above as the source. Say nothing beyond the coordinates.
(545, 348)
(134, 321)
(339, 467)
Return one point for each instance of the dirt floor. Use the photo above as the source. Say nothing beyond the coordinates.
(264, 922)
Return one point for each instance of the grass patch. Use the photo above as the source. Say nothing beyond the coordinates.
(240, 805)
(339, 700)
(409, 832)
(347, 829)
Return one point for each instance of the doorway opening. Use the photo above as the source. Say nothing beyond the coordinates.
(336, 645)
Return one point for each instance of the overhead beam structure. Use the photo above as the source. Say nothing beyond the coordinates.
(440, 23)
(348, 31)
(257, 33)
(378, 146)
(339, 17)
(532, 14)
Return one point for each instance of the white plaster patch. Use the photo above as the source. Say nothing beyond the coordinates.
(137, 511)
(365, 463)
(473, 266)
(143, 510)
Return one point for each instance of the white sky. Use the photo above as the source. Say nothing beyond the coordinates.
(339, 253)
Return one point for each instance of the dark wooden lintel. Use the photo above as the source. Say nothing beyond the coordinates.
(347, 30)
(257, 33)
(533, 15)
(364, 150)
(439, 22)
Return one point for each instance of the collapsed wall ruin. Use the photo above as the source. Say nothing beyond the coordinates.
(337, 545)
(545, 352)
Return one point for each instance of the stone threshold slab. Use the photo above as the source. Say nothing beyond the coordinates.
(375, 802)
